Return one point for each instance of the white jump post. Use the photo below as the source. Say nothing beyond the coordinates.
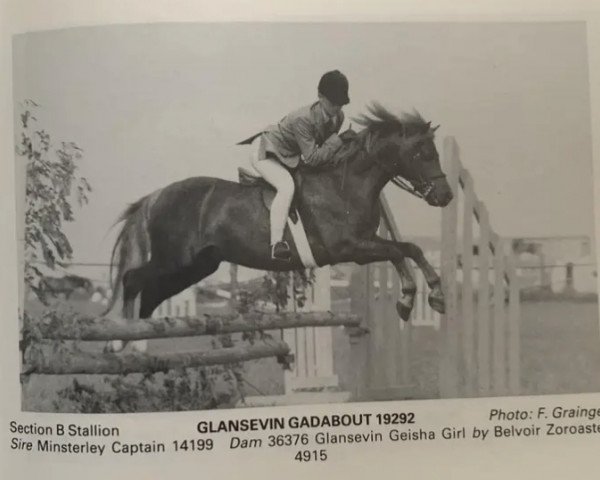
(480, 347)
(312, 347)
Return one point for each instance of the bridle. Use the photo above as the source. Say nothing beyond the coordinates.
(420, 187)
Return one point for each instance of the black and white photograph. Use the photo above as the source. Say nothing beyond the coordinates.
(238, 215)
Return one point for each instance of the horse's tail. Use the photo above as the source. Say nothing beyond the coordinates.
(132, 246)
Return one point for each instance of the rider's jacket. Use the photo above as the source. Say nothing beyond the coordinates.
(307, 134)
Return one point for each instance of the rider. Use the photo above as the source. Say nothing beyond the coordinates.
(308, 135)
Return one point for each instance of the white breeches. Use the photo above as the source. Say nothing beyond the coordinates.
(278, 176)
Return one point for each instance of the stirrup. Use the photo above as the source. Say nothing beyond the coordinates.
(281, 251)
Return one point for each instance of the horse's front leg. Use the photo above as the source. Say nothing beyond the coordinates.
(406, 302)
(379, 249)
(436, 295)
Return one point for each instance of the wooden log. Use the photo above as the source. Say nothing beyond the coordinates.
(125, 363)
(104, 329)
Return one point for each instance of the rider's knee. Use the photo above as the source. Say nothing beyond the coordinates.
(285, 188)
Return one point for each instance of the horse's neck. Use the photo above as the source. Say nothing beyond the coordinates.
(364, 172)
(357, 175)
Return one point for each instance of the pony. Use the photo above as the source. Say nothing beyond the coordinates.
(178, 235)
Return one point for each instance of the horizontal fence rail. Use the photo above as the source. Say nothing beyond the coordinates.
(105, 329)
(126, 363)
(46, 359)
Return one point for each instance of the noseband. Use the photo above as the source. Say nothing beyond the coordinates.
(418, 188)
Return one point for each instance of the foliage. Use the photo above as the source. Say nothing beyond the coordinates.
(32, 344)
(176, 390)
(51, 183)
(278, 289)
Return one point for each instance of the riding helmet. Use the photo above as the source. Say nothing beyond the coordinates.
(334, 87)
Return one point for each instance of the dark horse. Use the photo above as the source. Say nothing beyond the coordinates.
(180, 234)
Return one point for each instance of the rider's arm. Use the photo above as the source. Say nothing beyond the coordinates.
(313, 154)
(340, 121)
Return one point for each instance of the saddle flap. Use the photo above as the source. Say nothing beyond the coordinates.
(246, 177)
(268, 194)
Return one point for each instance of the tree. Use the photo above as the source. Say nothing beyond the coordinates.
(51, 185)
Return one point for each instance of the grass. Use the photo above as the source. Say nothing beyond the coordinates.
(560, 348)
(560, 351)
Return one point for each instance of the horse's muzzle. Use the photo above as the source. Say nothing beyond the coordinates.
(439, 193)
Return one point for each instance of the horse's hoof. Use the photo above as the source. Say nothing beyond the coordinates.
(286, 361)
(403, 310)
(437, 302)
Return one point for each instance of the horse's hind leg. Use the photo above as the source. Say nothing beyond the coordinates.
(146, 287)
(168, 284)
(160, 288)
(133, 282)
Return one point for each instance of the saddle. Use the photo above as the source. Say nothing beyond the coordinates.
(246, 177)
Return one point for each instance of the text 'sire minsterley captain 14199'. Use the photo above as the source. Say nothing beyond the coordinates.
(293, 233)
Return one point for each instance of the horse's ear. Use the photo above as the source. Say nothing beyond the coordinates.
(435, 128)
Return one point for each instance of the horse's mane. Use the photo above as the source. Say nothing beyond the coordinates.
(383, 121)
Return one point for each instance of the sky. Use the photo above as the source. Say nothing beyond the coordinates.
(152, 104)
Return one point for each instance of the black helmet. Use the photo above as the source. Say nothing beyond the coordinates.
(334, 87)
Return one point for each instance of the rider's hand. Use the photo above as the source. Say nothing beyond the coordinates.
(348, 135)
